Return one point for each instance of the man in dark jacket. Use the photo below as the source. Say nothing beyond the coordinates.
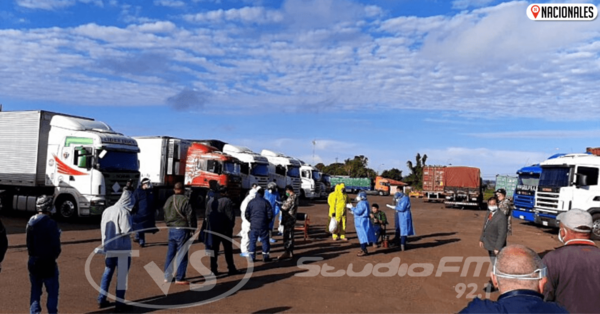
(520, 276)
(181, 219)
(43, 246)
(493, 235)
(144, 212)
(288, 220)
(3, 243)
(259, 213)
(220, 217)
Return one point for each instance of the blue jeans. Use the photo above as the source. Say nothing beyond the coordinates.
(112, 264)
(177, 240)
(266, 245)
(141, 237)
(36, 293)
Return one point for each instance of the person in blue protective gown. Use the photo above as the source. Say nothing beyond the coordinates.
(272, 196)
(403, 219)
(362, 223)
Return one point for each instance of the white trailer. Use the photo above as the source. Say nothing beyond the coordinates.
(254, 167)
(162, 160)
(283, 170)
(82, 162)
(567, 182)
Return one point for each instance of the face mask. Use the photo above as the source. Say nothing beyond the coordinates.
(287, 194)
(493, 208)
(560, 238)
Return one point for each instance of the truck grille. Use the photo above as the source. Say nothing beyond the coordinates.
(296, 184)
(262, 182)
(524, 201)
(546, 201)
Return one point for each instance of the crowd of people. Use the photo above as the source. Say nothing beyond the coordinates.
(564, 280)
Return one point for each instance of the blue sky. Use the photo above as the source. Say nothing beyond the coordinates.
(467, 82)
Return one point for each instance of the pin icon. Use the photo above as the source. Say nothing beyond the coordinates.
(535, 10)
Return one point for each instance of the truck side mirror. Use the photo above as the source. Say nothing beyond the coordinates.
(581, 180)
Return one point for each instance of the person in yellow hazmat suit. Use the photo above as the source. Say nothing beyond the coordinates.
(337, 201)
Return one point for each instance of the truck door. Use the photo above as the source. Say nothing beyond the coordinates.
(585, 190)
(72, 168)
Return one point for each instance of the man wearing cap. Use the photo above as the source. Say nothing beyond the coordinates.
(181, 219)
(506, 207)
(288, 220)
(144, 218)
(220, 218)
(43, 246)
(520, 275)
(573, 269)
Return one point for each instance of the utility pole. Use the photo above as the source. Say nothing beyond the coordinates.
(314, 142)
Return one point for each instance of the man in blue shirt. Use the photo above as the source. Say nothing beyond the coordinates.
(520, 276)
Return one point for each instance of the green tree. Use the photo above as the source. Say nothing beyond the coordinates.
(320, 166)
(394, 174)
(415, 178)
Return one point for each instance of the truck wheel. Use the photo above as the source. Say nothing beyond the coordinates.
(66, 207)
(380, 193)
(596, 227)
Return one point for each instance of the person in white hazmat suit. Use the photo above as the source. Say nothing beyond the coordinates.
(245, 233)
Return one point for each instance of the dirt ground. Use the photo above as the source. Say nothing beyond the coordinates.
(278, 286)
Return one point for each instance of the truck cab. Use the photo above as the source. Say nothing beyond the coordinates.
(311, 181)
(254, 167)
(205, 163)
(567, 182)
(283, 170)
(382, 186)
(524, 197)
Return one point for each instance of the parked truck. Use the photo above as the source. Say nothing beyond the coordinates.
(205, 163)
(567, 182)
(508, 183)
(283, 170)
(254, 167)
(524, 197)
(311, 181)
(463, 187)
(82, 162)
(381, 185)
(163, 160)
(433, 183)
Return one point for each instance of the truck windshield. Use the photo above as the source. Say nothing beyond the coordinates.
(529, 179)
(293, 172)
(231, 168)
(316, 176)
(118, 161)
(260, 170)
(555, 177)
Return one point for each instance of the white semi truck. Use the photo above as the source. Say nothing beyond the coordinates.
(254, 167)
(284, 170)
(567, 182)
(311, 181)
(82, 162)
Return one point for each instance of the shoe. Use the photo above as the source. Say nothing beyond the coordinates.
(215, 272)
(375, 245)
(283, 256)
(233, 272)
(182, 283)
(123, 308)
(272, 240)
(336, 239)
(362, 253)
(267, 259)
(142, 245)
(103, 304)
(402, 247)
(136, 240)
(244, 255)
(345, 239)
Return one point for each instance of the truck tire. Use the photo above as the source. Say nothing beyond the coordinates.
(66, 207)
(380, 193)
(596, 227)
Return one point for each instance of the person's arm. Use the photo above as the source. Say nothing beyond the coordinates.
(190, 214)
(502, 232)
(269, 212)
(552, 278)
(287, 204)
(248, 211)
(229, 212)
(3, 242)
(55, 240)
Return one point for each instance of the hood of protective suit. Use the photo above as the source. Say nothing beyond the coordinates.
(398, 196)
(340, 188)
(126, 201)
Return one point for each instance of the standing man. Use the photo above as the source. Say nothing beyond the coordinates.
(520, 276)
(144, 218)
(181, 219)
(272, 195)
(362, 224)
(493, 235)
(220, 216)
(116, 226)
(573, 269)
(3, 243)
(43, 246)
(245, 232)
(288, 220)
(259, 213)
(506, 206)
(403, 220)
(337, 201)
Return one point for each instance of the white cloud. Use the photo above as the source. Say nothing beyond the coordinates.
(463, 4)
(45, 4)
(549, 134)
(258, 15)
(170, 3)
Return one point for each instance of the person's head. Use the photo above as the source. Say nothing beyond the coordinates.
(492, 204)
(260, 192)
(272, 186)
(255, 186)
(501, 194)
(398, 196)
(575, 224)
(44, 204)
(362, 196)
(213, 185)
(518, 267)
(145, 184)
(375, 207)
(129, 186)
(289, 190)
(178, 188)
